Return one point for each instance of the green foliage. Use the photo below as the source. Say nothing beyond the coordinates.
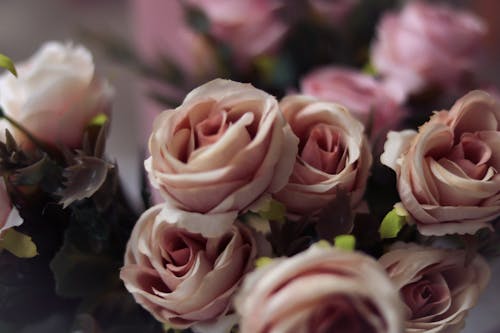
(345, 242)
(272, 210)
(6, 63)
(19, 244)
(392, 224)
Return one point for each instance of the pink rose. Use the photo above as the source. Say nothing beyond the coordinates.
(367, 98)
(427, 44)
(222, 149)
(320, 290)
(9, 215)
(448, 172)
(55, 95)
(250, 27)
(333, 155)
(436, 286)
(182, 278)
(333, 11)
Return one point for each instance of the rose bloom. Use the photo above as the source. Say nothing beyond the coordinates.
(436, 286)
(448, 172)
(183, 278)
(333, 155)
(333, 11)
(368, 99)
(55, 95)
(250, 27)
(320, 290)
(9, 215)
(427, 44)
(222, 149)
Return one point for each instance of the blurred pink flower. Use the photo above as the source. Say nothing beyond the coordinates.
(333, 11)
(427, 44)
(250, 27)
(360, 93)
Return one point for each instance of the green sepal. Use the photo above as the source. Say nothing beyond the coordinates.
(392, 224)
(272, 210)
(345, 242)
(263, 261)
(19, 244)
(99, 120)
(8, 64)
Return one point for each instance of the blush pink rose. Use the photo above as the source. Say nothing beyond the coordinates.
(368, 99)
(448, 172)
(222, 149)
(427, 44)
(250, 27)
(333, 155)
(182, 278)
(9, 215)
(55, 95)
(436, 285)
(320, 290)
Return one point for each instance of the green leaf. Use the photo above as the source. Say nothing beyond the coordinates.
(392, 224)
(345, 242)
(6, 63)
(18, 244)
(272, 210)
(369, 69)
(99, 120)
(263, 261)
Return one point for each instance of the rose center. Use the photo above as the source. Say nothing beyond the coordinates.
(324, 149)
(472, 155)
(211, 129)
(427, 296)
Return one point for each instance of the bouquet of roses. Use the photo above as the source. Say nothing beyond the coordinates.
(268, 214)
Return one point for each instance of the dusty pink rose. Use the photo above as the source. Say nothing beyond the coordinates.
(9, 215)
(436, 285)
(250, 27)
(182, 278)
(368, 99)
(320, 290)
(448, 172)
(333, 11)
(222, 149)
(333, 155)
(55, 95)
(427, 44)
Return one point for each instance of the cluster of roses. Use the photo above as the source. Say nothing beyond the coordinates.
(230, 147)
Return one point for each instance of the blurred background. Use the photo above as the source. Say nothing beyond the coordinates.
(26, 24)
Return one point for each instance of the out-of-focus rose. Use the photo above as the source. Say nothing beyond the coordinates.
(448, 172)
(222, 149)
(183, 278)
(333, 11)
(9, 215)
(368, 99)
(55, 95)
(436, 286)
(250, 27)
(333, 155)
(320, 290)
(427, 44)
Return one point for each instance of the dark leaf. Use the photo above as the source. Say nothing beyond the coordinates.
(290, 237)
(83, 179)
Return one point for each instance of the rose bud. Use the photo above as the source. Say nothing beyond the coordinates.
(436, 285)
(222, 149)
(320, 290)
(427, 44)
(448, 173)
(55, 95)
(182, 278)
(333, 155)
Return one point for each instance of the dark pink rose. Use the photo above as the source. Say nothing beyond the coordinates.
(427, 44)
(448, 173)
(367, 98)
(436, 285)
(317, 291)
(333, 155)
(182, 278)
